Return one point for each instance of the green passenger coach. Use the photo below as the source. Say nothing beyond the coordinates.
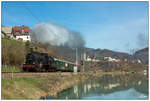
(64, 65)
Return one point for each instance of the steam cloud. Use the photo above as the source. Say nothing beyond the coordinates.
(57, 35)
(141, 42)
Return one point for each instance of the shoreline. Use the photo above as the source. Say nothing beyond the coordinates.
(51, 84)
(33, 86)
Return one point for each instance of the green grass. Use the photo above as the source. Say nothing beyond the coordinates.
(28, 80)
(11, 41)
(10, 69)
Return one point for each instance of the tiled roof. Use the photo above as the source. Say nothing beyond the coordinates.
(19, 29)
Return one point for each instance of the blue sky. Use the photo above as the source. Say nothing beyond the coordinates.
(119, 26)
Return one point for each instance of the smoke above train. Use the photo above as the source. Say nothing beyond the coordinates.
(57, 35)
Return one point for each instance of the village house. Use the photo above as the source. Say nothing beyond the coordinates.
(88, 59)
(94, 59)
(111, 59)
(21, 33)
(6, 31)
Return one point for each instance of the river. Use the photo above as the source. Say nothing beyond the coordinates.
(109, 87)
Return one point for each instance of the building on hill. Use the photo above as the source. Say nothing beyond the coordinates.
(6, 31)
(111, 59)
(21, 33)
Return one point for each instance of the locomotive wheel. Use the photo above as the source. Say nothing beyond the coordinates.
(52, 70)
(44, 70)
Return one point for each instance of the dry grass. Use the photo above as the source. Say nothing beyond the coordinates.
(34, 88)
(13, 52)
(20, 89)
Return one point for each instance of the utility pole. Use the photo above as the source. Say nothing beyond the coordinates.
(76, 56)
(76, 66)
(84, 58)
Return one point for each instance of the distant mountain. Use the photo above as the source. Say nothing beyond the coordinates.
(109, 53)
(142, 55)
(69, 54)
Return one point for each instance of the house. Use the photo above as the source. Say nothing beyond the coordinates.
(88, 59)
(21, 33)
(111, 59)
(6, 31)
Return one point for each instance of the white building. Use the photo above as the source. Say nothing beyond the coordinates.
(88, 59)
(111, 59)
(23, 38)
(21, 33)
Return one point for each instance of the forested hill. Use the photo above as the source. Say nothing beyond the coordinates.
(69, 54)
(142, 55)
(109, 53)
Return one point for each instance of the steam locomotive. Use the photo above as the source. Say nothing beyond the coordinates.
(42, 62)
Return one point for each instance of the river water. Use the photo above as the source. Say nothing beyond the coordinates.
(109, 87)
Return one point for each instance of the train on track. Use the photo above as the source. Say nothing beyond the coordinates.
(42, 62)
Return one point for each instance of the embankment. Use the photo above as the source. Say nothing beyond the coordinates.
(34, 86)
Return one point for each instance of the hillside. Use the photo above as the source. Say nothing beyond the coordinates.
(11, 49)
(14, 51)
(109, 53)
(142, 55)
(69, 54)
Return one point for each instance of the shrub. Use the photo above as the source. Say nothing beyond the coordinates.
(13, 52)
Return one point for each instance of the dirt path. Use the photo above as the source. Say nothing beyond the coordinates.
(33, 75)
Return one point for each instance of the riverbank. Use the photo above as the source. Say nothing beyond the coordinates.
(34, 87)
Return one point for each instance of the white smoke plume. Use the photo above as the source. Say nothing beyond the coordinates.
(142, 40)
(57, 35)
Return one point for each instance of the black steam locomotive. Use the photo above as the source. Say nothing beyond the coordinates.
(36, 61)
(42, 62)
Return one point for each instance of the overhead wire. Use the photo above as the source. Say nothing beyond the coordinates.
(27, 9)
(32, 13)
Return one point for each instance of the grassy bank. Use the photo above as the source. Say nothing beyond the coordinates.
(34, 88)
(10, 69)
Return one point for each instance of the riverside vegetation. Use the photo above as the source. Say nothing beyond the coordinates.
(34, 88)
(51, 83)
(14, 51)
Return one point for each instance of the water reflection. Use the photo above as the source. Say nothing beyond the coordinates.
(108, 87)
